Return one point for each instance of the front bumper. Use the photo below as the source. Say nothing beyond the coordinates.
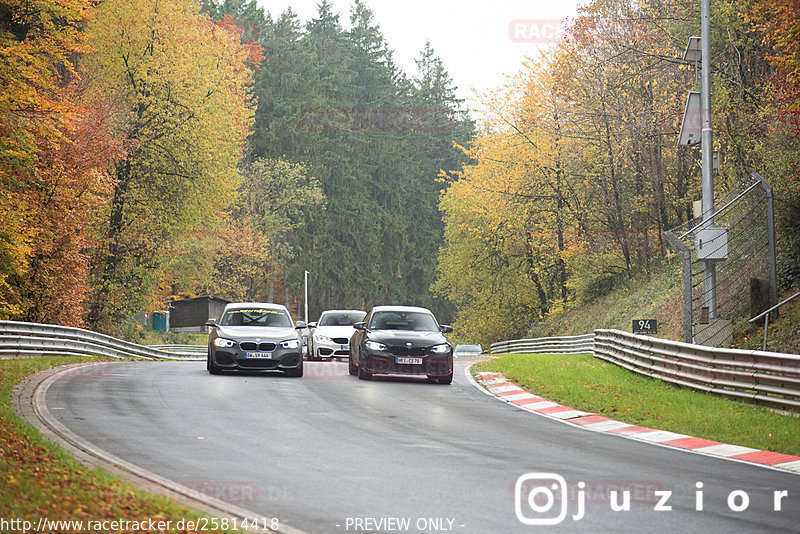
(384, 362)
(331, 349)
(236, 359)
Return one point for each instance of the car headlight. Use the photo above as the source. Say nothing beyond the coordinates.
(374, 345)
(441, 349)
(323, 339)
(291, 344)
(222, 342)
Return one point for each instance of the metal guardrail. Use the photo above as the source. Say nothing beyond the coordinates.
(183, 350)
(561, 344)
(27, 340)
(768, 378)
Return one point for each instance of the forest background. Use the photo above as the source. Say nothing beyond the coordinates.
(159, 150)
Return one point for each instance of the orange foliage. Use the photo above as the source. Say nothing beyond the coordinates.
(53, 151)
(779, 21)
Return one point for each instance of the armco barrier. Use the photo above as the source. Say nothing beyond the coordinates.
(768, 378)
(25, 340)
(559, 345)
(183, 350)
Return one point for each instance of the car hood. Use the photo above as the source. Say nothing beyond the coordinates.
(335, 331)
(239, 332)
(403, 337)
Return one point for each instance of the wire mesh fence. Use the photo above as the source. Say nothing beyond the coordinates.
(729, 264)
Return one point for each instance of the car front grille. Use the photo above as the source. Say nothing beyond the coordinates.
(341, 340)
(252, 345)
(258, 363)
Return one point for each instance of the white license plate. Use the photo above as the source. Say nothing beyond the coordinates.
(344, 347)
(409, 361)
(262, 355)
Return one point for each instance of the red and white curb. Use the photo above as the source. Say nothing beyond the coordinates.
(499, 386)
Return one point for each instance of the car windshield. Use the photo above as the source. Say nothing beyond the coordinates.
(469, 349)
(396, 320)
(256, 317)
(341, 318)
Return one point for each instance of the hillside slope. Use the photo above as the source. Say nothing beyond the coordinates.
(655, 297)
(660, 297)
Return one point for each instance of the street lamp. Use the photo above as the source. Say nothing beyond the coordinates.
(305, 284)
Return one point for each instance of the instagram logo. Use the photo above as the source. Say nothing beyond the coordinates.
(541, 492)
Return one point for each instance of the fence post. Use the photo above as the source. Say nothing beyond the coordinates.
(686, 255)
(773, 260)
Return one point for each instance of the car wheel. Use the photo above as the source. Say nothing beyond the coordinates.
(363, 374)
(446, 379)
(352, 367)
(296, 372)
(211, 366)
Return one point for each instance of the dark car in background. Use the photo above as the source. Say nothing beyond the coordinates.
(254, 336)
(403, 340)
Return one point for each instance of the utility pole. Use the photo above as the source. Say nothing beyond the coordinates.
(707, 148)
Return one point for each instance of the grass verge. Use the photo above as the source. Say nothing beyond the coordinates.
(39, 480)
(586, 383)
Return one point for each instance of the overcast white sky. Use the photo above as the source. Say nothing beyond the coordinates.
(479, 41)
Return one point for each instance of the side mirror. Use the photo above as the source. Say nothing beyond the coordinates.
(299, 325)
(312, 325)
(446, 328)
(360, 326)
(211, 322)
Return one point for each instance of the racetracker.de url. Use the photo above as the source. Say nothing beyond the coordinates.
(203, 524)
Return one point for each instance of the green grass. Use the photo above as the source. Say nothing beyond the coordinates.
(37, 479)
(593, 385)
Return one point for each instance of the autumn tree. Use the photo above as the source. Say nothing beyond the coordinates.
(274, 201)
(54, 148)
(178, 83)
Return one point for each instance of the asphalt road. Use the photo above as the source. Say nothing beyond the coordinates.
(328, 453)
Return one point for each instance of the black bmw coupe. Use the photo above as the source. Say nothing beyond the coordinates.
(401, 340)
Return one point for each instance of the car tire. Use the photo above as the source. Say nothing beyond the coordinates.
(297, 372)
(363, 374)
(446, 379)
(211, 366)
(351, 366)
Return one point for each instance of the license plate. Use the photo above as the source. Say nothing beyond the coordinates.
(344, 347)
(409, 361)
(262, 355)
